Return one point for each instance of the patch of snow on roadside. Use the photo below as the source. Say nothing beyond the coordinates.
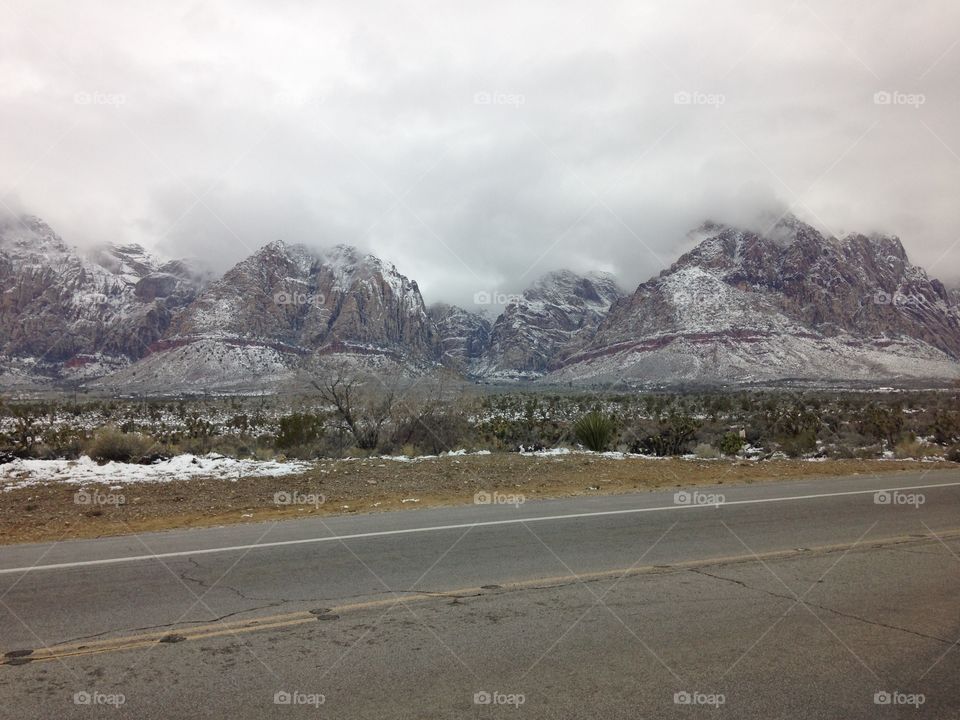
(419, 458)
(24, 473)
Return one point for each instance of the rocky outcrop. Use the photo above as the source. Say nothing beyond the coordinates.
(61, 309)
(788, 303)
(311, 301)
(551, 319)
(740, 306)
(461, 336)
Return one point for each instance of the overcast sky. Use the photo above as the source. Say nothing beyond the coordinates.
(480, 144)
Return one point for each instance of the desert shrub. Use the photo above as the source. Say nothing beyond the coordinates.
(110, 443)
(882, 423)
(800, 444)
(24, 430)
(64, 442)
(842, 451)
(298, 430)
(509, 433)
(432, 431)
(672, 437)
(953, 454)
(705, 451)
(946, 427)
(868, 452)
(730, 443)
(913, 448)
(594, 431)
(793, 428)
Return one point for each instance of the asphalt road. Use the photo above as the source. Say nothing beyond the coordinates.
(793, 599)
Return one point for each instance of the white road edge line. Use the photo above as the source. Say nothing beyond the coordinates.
(460, 526)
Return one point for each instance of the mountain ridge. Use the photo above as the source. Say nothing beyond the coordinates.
(738, 306)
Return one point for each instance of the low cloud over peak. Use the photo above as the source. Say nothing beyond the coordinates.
(479, 146)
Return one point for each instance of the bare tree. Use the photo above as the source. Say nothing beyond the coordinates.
(362, 412)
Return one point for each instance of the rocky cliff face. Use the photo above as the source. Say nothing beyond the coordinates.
(65, 311)
(740, 306)
(309, 301)
(554, 317)
(462, 337)
(790, 303)
(279, 311)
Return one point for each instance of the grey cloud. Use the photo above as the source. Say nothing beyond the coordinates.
(481, 145)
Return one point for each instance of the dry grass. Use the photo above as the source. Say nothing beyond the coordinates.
(49, 513)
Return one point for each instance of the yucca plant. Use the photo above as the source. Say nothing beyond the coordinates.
(594, 431)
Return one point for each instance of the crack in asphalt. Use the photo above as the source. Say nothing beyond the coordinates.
(161, 626)
(840, 613)
(273, 602)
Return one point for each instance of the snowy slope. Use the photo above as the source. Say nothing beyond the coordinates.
(552, 318)
(65, 314)
(790, 304)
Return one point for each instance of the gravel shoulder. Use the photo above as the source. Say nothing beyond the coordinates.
(50, 511)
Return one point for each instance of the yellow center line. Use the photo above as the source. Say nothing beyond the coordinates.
(283, 620)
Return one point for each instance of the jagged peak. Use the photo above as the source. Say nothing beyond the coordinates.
(30, 233)
(565, 280)
(883, 242)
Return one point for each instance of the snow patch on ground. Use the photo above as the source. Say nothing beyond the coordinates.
(24, 473)
(419, 458)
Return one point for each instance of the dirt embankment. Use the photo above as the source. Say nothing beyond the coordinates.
(49, 512)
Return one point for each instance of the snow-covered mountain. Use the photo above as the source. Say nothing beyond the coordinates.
(790, 303)
(740, 306)
(551, 319)
(285, 303)
(64, 313)
(461, 336)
